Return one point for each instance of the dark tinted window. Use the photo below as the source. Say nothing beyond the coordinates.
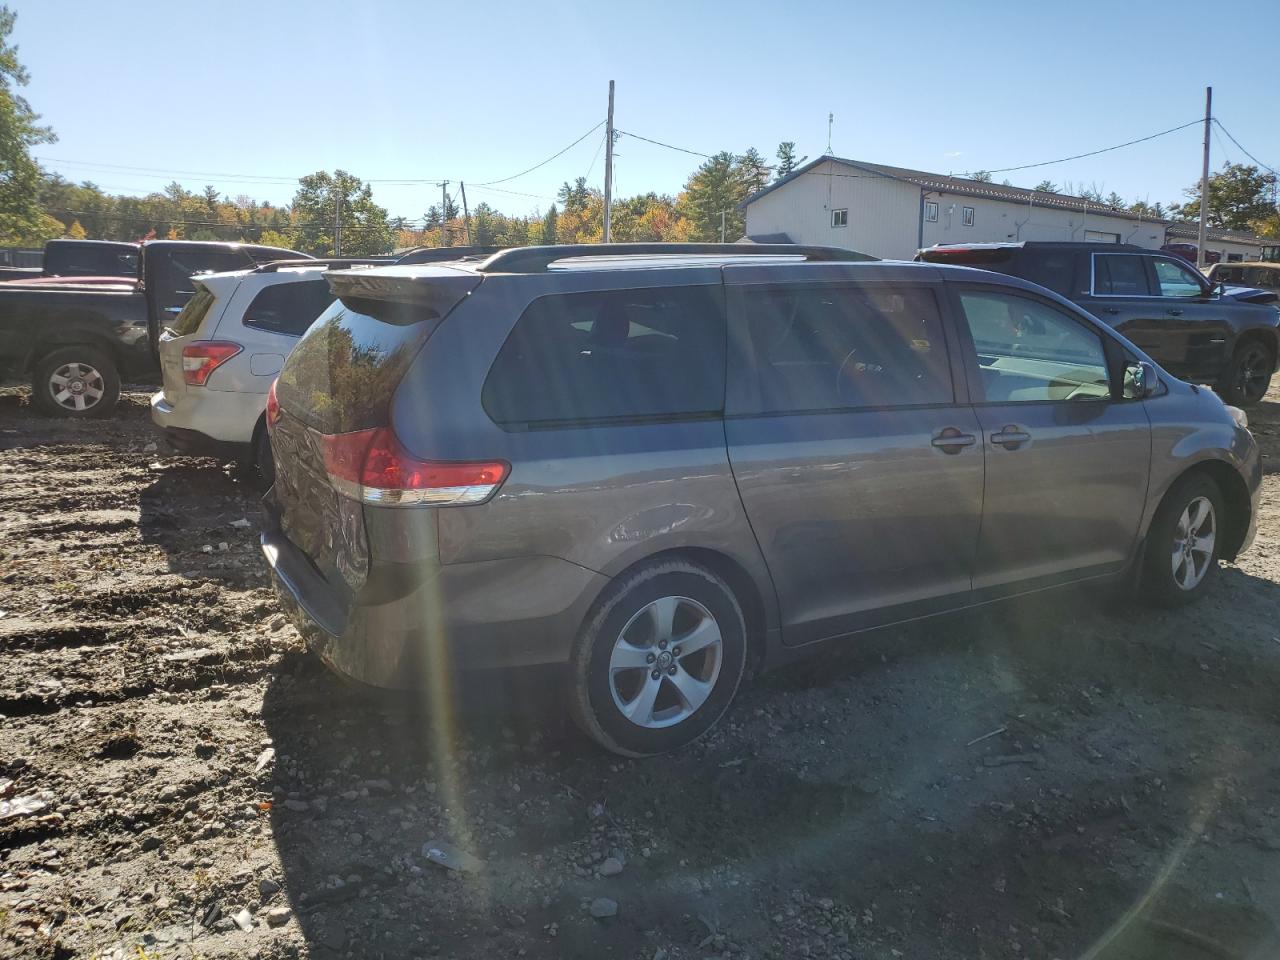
(176, 270)
(188, 321)
(618, 354)
(289, 307)
(90, 260)
(1054, 269)
(835, 348)
(1120, 275)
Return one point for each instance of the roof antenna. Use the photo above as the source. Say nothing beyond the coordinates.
(831, 118)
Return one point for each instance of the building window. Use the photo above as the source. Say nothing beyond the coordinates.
(966, 216)
(840, 218)
(931, 211)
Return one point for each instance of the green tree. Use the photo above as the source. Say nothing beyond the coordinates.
(1114, 199)
(1239, 196)
(574, 198)
(787, 159)
(21, 219)
(1046, 186)
(485, 231)
(75, 231)
(754, 171)
(549, 226)
(365, 228)
(714, 190)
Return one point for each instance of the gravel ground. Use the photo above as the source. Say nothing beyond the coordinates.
(1043, 780)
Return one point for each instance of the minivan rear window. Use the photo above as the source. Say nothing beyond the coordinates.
(618, 354)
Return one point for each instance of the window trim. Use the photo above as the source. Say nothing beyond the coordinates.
(839, 210)
(1093, 277)
(969, 351)
(931, 211)
(738, 389)
(967, 216)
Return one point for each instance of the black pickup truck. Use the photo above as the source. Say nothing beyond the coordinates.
(76, 338)
(1197, 330)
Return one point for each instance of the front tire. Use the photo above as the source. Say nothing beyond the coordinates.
(1183, 543)
(1248, 377)
(658, 660)
(76, 382)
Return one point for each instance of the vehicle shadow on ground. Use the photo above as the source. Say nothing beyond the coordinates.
(363, 781)
(205, 516)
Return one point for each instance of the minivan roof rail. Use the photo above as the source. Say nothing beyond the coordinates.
(538, 259)
(332, 263)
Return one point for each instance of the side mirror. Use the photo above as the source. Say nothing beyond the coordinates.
(1140, 380)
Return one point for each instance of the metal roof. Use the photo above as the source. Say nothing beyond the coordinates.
(1191, 231)
(942, 183)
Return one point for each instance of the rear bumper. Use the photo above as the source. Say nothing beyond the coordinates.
(409, 623)
(188, 440)
(222, 416)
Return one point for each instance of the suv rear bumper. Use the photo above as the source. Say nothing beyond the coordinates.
(410, 622)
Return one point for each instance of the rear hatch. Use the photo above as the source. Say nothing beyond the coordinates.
(336, 385)
(196, 321)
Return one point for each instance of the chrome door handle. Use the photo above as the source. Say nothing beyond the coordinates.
(951, 440)
(1010, 438)
(1175, 313)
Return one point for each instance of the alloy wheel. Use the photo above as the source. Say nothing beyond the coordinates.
(665, 662)
(1193, 540)
(1253, 373)
(76, 386)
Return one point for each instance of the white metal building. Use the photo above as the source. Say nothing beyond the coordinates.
(891, 212)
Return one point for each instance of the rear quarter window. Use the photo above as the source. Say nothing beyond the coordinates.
(614, 355)
(288, 308)
(192, 315)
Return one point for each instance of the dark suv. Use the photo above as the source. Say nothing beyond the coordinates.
(1157, 300)
(652, 467)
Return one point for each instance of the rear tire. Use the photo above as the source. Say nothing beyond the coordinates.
(1181, 558)
(1248, 377)
(634, 688)
(76, 382)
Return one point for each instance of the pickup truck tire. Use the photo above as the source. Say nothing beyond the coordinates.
(1248, 375)
(76, 382)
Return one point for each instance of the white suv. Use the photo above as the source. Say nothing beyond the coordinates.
(221, 353)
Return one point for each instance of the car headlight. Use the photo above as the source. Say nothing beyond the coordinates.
(1239, 416)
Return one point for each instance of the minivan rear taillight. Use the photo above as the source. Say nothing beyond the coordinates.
(273, 405)
(372, 466)
(201, 358)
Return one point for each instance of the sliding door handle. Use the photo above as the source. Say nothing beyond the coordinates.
(952, 440)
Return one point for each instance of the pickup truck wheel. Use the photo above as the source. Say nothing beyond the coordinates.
(76, 382)
(1248, 377)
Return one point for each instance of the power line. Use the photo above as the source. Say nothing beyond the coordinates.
(669, 146)
(515, 176)
(1094, 153)
(1264, 166)
(594, 157)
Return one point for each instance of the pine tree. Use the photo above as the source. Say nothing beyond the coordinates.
(787, 160)
(714, 190)
(1046, 186)
(549, 226)
(753, 170)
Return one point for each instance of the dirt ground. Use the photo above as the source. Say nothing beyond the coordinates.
(1042, 780)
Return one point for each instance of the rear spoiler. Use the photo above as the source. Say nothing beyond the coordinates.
(437, 289)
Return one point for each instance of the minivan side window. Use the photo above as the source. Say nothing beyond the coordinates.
(1176, 280)
(612, 355)
(288, 308)
(835, 348)
(1120, 275)
(1030, 351)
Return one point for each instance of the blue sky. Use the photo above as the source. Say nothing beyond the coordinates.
(416, 90)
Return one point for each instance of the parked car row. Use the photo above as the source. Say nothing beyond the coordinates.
(653, 468)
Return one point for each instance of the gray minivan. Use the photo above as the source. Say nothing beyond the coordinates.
(658, 465)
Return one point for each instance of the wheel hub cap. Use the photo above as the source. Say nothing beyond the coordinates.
(76, 386)
(1193, 543)
(665, 662)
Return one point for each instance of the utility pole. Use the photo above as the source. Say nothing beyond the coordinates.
(466, 217)
(1204, 179)
(337, 219)
(444, 213)
(608, 169)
